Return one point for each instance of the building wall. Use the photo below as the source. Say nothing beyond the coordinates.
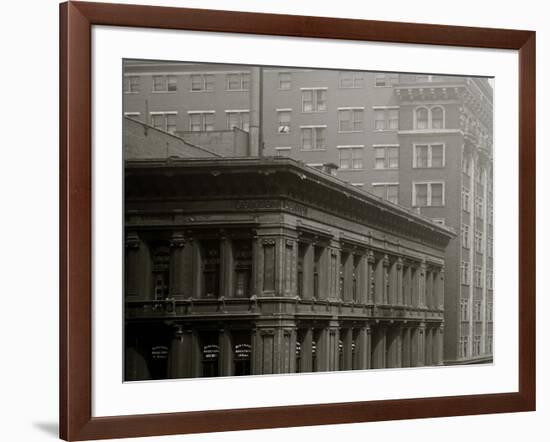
(321, 291)
(468, 110)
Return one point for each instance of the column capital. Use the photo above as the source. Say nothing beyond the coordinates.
(370, 257)
(399, 263)
(386, 261)
(177, 240)
(132, 241)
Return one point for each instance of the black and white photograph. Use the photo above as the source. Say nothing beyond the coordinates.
(292, 220)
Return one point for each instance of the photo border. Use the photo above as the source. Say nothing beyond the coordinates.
(76, 21)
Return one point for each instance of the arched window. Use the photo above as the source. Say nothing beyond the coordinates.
(437, 118)
(421, 118)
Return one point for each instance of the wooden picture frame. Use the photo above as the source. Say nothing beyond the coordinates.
(76, 21)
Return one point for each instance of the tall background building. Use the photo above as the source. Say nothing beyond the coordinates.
(419, 141)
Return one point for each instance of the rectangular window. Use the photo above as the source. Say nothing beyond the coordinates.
(477, 346)
(429, 155)
(313, 138)
(165, 121)
(490, 247)
(350, 120)
(284, 118)
(165, 83)
(386, 118)
(389, 192)
(465, 165)
(478, 242)
(477, 311)
(386, 157)
(386, 80)
(351, 157)
(314, 100)
(239, 81)
(489, 311)
(464, 309)
(201, 121)
(285, 81)
(351, 80)
(465, 273)
(465, 199)
(478, 281)
(131, 84)
(202, 82)
(490, 280)
(428, 194)
(465, 236)
(239, 119)
(463, 346)
(479, 207)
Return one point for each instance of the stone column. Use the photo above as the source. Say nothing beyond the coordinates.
(346, 335)
(429, 347)
(348, 278)
(226, 353)
(177, 266)
(181, 352)
(379, 347)
(362, 348)
(386, 280)
(131, 264)
(399, 268)
(307, 271)
(441, 290)
(307, 351)
(406, 347)
(440, 343)
(420, 337)
(197, 269)
(422, 284)
(269, 267)
(362, 280)
(371, 282)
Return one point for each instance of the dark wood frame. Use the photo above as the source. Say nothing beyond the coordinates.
(76, 421)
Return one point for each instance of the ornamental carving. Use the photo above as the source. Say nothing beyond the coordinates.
(132, 241)
(268, 242)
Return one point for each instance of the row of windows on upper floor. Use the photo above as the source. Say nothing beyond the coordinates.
(476, 346)
(240, 81)
(424, 194)
(349, 120)
(351, 157)
(477, 313)
(465, 276)
(479, 244)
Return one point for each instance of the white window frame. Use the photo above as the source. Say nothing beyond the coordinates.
(466, 199)
(429, 193)
(430, 156)
(242, 81)
(465, 231)
(165, 119)
(203, 82)
(386, 157)
(385, 186)
(166, 83)
(464, 273)
(478, 242)
(429, 109)
(313, 138)
(351, 112)
(355, 78)
(478, 280)
(352, 148)
(315, 103)
(386, 120)
(240, 113)
(464, 309)
(279, 82)
(203, 119)
(279, 126)
(128, 82)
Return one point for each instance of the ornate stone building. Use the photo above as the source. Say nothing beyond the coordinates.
(263, 265)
